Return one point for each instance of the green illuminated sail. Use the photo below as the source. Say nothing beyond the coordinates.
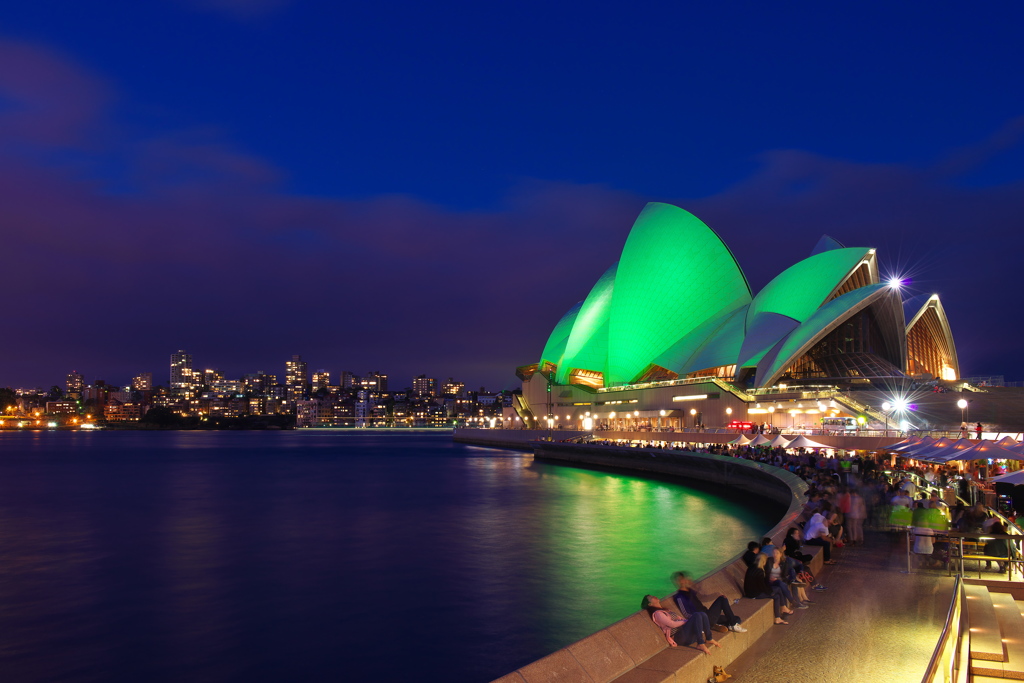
(674, 275)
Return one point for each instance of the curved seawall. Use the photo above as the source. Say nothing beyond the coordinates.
(634, 648)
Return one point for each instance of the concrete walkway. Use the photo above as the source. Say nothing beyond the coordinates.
(874, 623)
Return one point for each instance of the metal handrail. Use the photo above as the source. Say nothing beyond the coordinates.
(957, 614)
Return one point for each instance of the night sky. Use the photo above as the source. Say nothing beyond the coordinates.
(427, 187)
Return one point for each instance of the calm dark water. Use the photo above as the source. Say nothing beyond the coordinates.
(320, 556)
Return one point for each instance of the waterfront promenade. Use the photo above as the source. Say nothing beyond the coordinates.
(874, 623)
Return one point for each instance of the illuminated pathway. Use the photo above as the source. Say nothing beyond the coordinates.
(874, 623)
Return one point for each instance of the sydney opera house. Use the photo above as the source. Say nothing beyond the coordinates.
(672, 335)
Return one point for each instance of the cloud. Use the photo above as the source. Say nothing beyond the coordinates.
(193, 243)
(45, 99)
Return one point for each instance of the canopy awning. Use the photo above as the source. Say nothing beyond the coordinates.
(1011, 478)
(938, 451)
(760, 439)
(803, 442)
(984, 451)
(779, 442)
(741, 440)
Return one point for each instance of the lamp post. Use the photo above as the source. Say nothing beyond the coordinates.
(963, 405)
(886, 407)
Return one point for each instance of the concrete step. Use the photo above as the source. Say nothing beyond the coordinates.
(986, 639)
(1011, 625)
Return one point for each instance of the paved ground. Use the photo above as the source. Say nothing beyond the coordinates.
(874, 623)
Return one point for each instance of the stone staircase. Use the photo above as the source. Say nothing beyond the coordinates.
(997, 635)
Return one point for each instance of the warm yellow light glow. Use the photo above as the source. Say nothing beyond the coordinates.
(756, 411)
(694, 397)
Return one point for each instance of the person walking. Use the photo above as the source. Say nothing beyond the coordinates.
(855, 518)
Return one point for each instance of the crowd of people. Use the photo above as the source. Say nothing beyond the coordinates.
(844, 495)
(834, 515)
(777, 574)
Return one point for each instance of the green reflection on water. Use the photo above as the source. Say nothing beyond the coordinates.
(611, 538)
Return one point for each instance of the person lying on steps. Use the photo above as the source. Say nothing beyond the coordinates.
(720, 613)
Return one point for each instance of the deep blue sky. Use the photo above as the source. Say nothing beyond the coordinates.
(427, 187)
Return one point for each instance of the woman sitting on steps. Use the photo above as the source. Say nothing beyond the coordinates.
(696, 629)
(755, 585)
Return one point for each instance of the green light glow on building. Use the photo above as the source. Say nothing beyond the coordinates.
(674, 275)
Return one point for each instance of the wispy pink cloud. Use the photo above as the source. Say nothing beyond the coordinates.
(47, 99)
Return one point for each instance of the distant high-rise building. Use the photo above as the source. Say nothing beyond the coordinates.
(211, 377)
(379, 380)
(321, 380)
(452, 388)
(143, 381)
(424, 386)
(75, 384)
(348, 380)
(296, 378)
(257, 383)
(183, 379)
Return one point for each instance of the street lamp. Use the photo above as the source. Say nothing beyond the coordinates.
(886, 407)
(963, 404)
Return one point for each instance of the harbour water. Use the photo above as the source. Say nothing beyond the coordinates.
(324, 556)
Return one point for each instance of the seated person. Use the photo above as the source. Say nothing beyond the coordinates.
(767, 546)
(782, 572)
(677, 630)
(755, 585)
(753, 548)
(792, 545)
(816, 533)
(719, 613)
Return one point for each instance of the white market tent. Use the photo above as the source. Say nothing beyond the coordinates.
(779, 442)
(759, 439)
(1007, 442)
(741, 440)
(803, 442)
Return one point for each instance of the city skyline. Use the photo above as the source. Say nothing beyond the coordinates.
(420, 188)
(148, 379)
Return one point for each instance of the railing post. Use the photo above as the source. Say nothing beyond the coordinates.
(909, 532)
(961, 543)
